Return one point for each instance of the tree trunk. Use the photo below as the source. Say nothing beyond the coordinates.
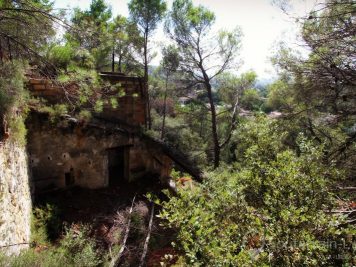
(164, 108)
(113, 60)
(120, 68)
(145, 78)
(201, 125)
(213, 126)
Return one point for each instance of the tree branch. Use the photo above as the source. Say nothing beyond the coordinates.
(115, 261)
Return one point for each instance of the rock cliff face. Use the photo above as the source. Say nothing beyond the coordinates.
(15, 199)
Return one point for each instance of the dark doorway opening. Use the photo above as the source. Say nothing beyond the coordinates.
(69, 177)
(118, 165)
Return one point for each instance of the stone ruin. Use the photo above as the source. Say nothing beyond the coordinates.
(109, 150)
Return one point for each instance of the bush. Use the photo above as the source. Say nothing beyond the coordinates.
(13, 100)
(55, 112)
(12, 92)
(84, 59)
(46, 225)
(251, 100)
(268, 210)
(84, 115)
(279, 96)
(18, 130)
(79, 248)
(75, 249)
(60, 56)
(90, 88)
(32, 258)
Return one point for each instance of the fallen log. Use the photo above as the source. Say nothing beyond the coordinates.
(145, 247)
(348, 212)
(350, 188)
(116, 260)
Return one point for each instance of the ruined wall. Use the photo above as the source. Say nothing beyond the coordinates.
(130, 95)
(15, 199)
(130, 107)
(145, 158)
(65, 154)
(62, 155)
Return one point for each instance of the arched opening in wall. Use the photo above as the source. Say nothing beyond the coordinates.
(118, 165)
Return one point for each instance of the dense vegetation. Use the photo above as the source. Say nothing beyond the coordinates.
(75, 248)
(276, 191)
(271, 207)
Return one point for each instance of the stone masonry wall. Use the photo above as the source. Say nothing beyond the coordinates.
(15, 199)
(65, 154)
(78, 152)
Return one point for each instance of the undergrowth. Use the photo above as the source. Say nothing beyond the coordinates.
(13, 102)
(76, 247)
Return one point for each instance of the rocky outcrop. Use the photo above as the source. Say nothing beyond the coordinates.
(15, 199)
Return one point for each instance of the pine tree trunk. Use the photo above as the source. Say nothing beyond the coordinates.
(145, 78)
(213, 126)
(164, 109)
(113, 60)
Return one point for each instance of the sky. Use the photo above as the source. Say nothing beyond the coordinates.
(263, 26)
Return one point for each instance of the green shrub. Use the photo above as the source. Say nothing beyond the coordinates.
(18, 130)
(13, 100)
(84, 59)
(55, 112)
(280, 96)
(46, 224)
(251, 100)
(12, 92)
(75, 249)
(268, 210)
(138, 226)
(60, 55)
(89, 86)
(79, 247)
(84, 115)
(31, 258)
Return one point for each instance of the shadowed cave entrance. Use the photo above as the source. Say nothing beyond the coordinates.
(118, 165)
